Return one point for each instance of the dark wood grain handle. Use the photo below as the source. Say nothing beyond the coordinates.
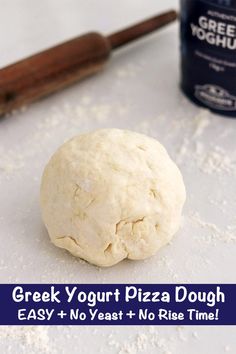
(141, 29)
(51, 70)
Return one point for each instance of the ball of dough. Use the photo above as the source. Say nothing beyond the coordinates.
(112, 194)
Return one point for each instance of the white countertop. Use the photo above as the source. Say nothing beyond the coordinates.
(139, 90)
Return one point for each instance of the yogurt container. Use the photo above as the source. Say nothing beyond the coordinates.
(208, 53)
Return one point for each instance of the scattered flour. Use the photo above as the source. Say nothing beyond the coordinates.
(29, 338)
(193, 152)
(168, 264)
(200, 122)
(197, 127)
(129, 70)
(153, 339)
(146, 126)
(142, 342)
(183, 151)
(78, 116)
(215, 161)
(214, 232)
(181, 334)
(11, 161)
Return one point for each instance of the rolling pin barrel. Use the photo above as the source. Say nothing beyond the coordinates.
(52, 70)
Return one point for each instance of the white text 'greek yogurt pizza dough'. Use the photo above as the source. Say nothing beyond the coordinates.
(112, 194)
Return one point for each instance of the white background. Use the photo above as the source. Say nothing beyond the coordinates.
(138, 90)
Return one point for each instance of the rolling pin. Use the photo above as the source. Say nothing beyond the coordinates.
(53, 69)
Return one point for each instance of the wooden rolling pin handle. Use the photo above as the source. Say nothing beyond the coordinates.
(139, 30)
(51, 70)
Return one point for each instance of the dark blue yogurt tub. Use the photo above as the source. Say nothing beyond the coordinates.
(208, 53)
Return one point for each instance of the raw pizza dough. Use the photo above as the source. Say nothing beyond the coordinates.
(110, 195)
